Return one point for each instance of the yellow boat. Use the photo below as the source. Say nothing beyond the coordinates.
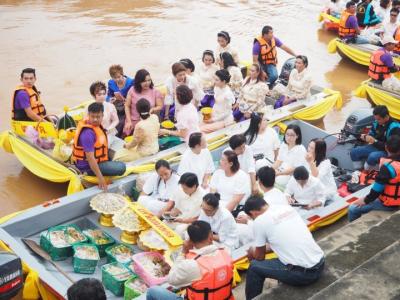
(331, 23)
(42, 162)
(378, 95)
(359, 53)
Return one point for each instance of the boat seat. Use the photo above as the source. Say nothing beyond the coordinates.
(365, 47)
(380, 87)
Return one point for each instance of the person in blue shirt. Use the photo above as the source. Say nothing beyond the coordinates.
(366, 15)
(382, 128)
(118, 87)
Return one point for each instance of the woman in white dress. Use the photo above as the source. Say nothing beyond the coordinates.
(229, 64)
(320, 166)
(158, 189)
(224, 45)
(232, 183)
(179, 77)
(253, 92)
(263, 141)
(206, 72)
(291, 155)
(299, 84)
(221, 115)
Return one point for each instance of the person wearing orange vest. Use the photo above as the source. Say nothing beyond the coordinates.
(90, 149)
(26, 103)
(385, 192)
(381, 65)
(279, 228)
(396, 36)
(265, 53)
(349, 31)
(204, 269)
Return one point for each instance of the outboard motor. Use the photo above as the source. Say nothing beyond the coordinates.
(287, 67)
(11, 277)
(359, 122)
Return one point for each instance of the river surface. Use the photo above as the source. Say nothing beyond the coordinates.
(72, 43)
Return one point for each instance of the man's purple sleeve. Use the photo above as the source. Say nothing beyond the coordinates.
(87, 139)
(352, 22)
(387, 60)
(278, 42)
(256, 48)
(22, 100)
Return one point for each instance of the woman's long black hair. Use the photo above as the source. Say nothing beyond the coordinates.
(252, 132)
(227, 60)
(320, 150)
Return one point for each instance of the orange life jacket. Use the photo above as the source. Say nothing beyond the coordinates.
(343, 30)
(396, 36)
(377, 69)
(391, 193)
(34, 99)
(100, 146)
(268, 54)
(217, 276)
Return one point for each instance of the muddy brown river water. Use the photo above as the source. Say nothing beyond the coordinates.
(72, 43)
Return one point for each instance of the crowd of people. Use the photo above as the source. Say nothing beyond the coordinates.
(251, 198)
(366, 22)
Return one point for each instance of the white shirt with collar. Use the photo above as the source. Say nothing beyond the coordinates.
(199, 164)
(292, 158)
(312, 190)
(223, 224)
(246, 160)
(188, 205)
(275, 197)
(159, 188)
(227, 187)
(288, 236)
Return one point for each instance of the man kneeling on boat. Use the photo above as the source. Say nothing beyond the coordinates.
(204, 269)
(90, 149)
(279, 228)
(381, 65)
(385, 192)
(382, 128)
(26, 103)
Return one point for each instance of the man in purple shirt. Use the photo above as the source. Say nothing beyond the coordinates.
(352, 23)
(26, 99)
(268, 61)
(91, 148)
(381, 65)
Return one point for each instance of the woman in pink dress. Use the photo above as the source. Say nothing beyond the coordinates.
(142, 88)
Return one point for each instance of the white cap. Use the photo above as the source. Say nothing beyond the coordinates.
(388, 39)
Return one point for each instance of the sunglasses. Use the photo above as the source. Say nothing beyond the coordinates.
(393, 15)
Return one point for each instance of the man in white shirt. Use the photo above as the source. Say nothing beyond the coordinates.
(222, 222)
(199, 256)
(273, 196)
(390, 26)
(185, 204)
(305, 189)
(237, 143)
(280, 229)
(266, 181)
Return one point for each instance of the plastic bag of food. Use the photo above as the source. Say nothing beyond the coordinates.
(151, 267)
